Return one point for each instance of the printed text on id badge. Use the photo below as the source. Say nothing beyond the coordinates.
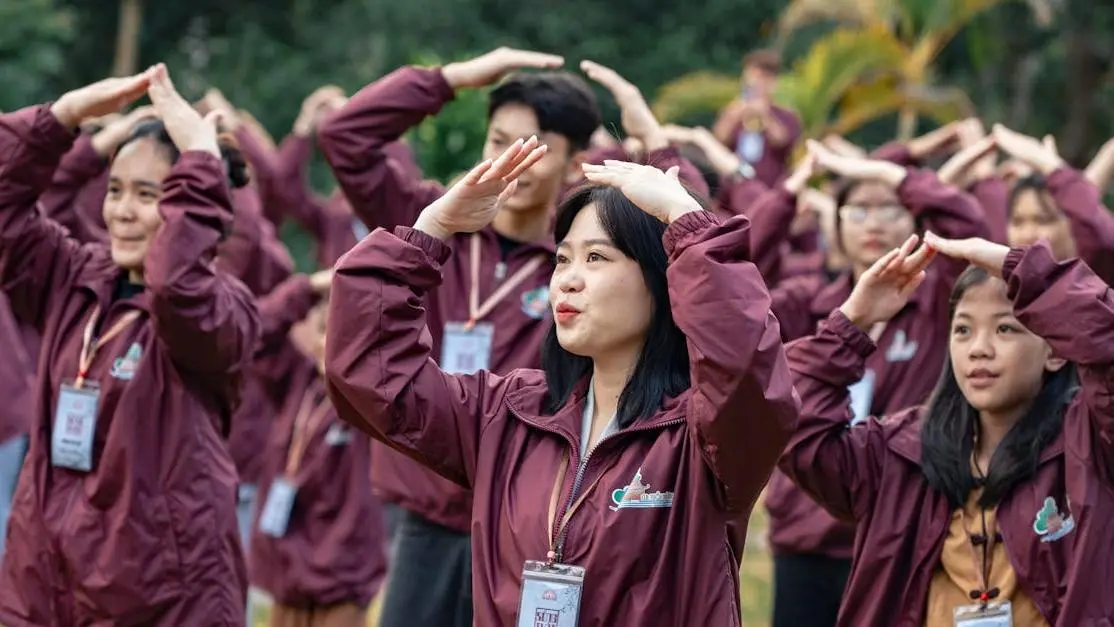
(550, 595)
(465, 350)
(75, 423)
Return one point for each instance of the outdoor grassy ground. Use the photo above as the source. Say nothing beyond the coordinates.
(754, 580)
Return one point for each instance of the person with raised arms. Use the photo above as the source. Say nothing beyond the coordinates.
(605, 482)
(988, 504)
(125, 512)
(490, 312)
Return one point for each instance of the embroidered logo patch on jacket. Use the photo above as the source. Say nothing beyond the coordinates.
(535, 302)
(1050, 524)
(637, 495)
(124, 367)
(901, 349)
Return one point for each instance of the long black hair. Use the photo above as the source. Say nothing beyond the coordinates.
(950, 425)
(663, 364)
(235, 165)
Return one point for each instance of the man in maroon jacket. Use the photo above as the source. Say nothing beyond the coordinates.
(761, 134)
(490, 311)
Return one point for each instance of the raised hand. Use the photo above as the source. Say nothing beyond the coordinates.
(1101, 168)
(322, 100)
(322, 281)
(722, 159)
(489, 68)
(256, 129)
(934, 142)
(841, 146)
(982, 253)
(657, 193)
(1041, 156)
(975, 161)
(108, 139)
(856, 167)
(677, 134)
(472, 203)
(795, 183)
(100, 98)
(638, 121)
(885, 288)
(184, 124)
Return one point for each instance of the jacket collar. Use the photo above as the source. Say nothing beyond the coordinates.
(101, 278)
(527, 404)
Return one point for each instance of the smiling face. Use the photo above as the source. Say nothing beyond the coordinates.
(601, 304)
(131, 206)
(872, 221)
(538, 187)
(998, 363)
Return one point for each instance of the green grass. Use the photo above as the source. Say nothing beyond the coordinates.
(756, 574)
(754, 580)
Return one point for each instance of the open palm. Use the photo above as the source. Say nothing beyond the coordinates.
(885, 288)
(472, 203)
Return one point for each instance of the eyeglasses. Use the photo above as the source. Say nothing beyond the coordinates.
(884, 213)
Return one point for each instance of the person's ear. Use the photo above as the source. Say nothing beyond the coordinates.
(574, 172)
(1054, 364)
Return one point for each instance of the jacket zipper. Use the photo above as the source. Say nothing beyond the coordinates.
(561, 531)
(78, 484)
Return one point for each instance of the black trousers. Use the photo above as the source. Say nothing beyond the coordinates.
(430, 579)
(808, 590)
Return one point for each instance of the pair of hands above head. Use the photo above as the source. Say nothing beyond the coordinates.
(472, 203)
(977, 160)
(885, 288)
(637, 119)
(187, 128)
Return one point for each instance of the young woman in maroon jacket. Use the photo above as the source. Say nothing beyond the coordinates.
(880, 204)
(497, 280)
(625, 457)
(1049, 200)
(126, 509)
(1057, 203)
(990, 502)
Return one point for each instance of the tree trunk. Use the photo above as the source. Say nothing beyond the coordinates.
(1085, 69)
(127, 38)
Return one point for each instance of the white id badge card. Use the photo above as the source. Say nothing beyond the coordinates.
(550, 595)
(75, 422)
(275, 516)
(862, 396)
(993, 614)
(464, 350)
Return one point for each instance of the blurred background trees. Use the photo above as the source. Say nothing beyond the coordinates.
(868, 69)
